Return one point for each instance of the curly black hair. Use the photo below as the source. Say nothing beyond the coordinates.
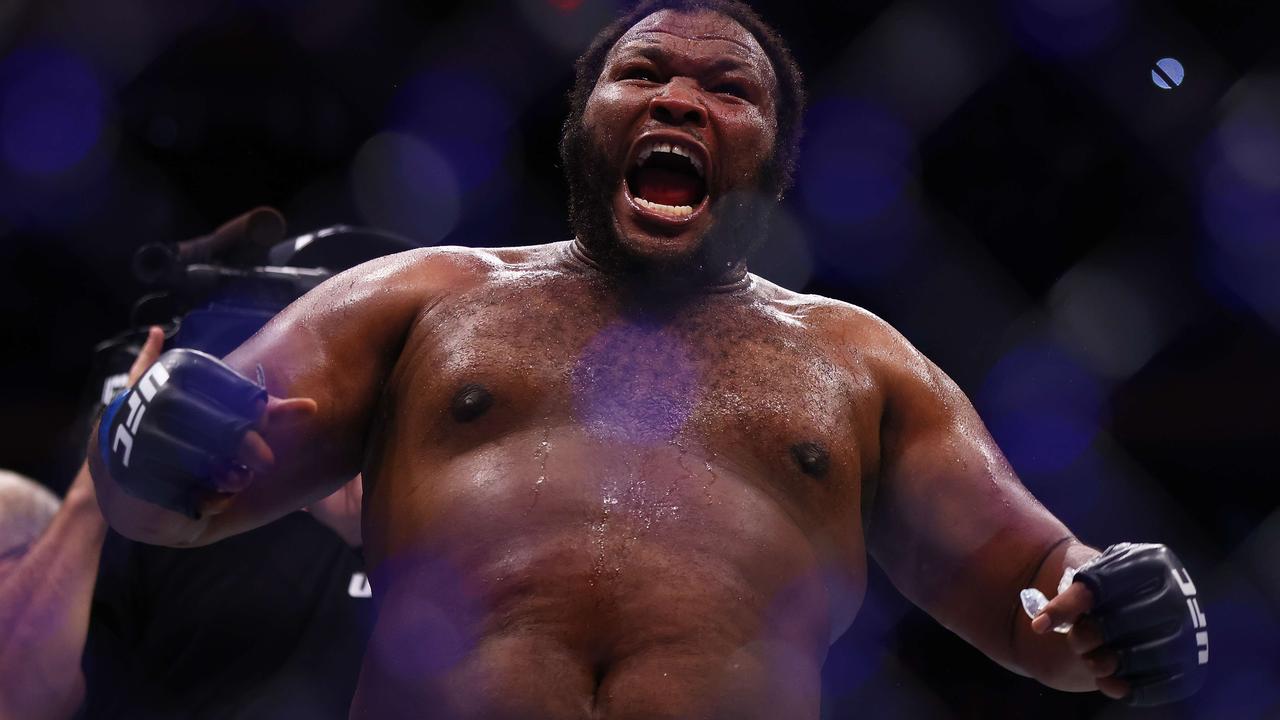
(780, 170)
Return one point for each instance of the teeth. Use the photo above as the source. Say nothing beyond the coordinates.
(672, 211)
(654, 147)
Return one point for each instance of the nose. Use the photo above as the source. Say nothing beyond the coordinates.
(678, 105)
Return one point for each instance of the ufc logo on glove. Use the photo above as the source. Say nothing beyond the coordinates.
(164, 439)
(1198, 620)
(148, 385)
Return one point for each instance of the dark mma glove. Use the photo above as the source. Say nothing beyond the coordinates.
(181, 423)
(1146, 607)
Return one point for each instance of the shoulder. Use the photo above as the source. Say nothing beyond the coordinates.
(410, 279)
(867, 343)
(861, 334)
(431, 266)
(448, 266)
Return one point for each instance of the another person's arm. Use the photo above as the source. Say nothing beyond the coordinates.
(341, 511)
(325, 360)
(45, 593)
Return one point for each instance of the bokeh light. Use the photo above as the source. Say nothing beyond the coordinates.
(1168, 73)
(404, 185)
(1240, 190)
(51, 111)
(853, 190)
(320, 24)
(1117, 312)
(441, 612)
(854, 162)
(1242, 627)
(120, 38)
(568, 25)
(1042, 407)
(785, 257)
(1067, 28)
(460, 114)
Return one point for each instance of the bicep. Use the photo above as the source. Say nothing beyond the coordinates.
(336, 345)
(953, 527)
(337, 342)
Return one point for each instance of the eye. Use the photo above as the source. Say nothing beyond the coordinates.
(639, 73)
(729, 88)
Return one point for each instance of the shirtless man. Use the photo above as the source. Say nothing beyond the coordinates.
(621, 477)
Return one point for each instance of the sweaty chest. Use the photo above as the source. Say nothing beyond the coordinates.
(734, 378)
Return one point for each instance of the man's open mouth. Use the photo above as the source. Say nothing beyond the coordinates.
(667, 180)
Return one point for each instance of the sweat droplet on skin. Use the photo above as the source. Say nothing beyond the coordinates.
(706, 487)
(540, 454)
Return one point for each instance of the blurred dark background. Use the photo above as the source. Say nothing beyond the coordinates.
(1095, 258)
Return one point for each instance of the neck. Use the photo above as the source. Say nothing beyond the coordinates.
(695, 277)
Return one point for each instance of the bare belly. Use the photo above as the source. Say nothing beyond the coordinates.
(554, 575)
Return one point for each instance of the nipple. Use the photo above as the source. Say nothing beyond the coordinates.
(471, 402)
(812, 458)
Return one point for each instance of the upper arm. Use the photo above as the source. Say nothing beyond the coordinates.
(953, 527)
(336, 345)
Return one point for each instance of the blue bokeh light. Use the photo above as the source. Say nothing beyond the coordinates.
(51, 111)
(1067, 28)
(1042, 406)
(1242, 628)
(872, 254)
(1167, 67)
(461, 114)
(405, 185)
(854, 164)
(1074, 493)
(1241, 213)
(853, 192)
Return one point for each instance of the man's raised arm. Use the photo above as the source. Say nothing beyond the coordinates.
(197, 450)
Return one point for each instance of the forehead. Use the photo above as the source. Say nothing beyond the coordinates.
(699, 34)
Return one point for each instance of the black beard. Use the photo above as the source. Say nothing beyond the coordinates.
(741, 217)
(591, 185)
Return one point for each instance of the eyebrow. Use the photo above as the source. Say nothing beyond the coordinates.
(653, 52)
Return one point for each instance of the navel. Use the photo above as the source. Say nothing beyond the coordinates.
(813, 459)
(470, 402)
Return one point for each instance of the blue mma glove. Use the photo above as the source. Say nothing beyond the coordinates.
(165, 439)
(1146, 607)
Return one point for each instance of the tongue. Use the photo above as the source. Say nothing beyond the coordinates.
(668, 187)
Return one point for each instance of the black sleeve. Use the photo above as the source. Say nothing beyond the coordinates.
(260, 625)
(111, 664)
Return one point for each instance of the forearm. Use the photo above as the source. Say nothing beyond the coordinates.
(1047, 657)
(44, 611)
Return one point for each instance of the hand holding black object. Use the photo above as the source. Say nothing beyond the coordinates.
(1138, 624)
